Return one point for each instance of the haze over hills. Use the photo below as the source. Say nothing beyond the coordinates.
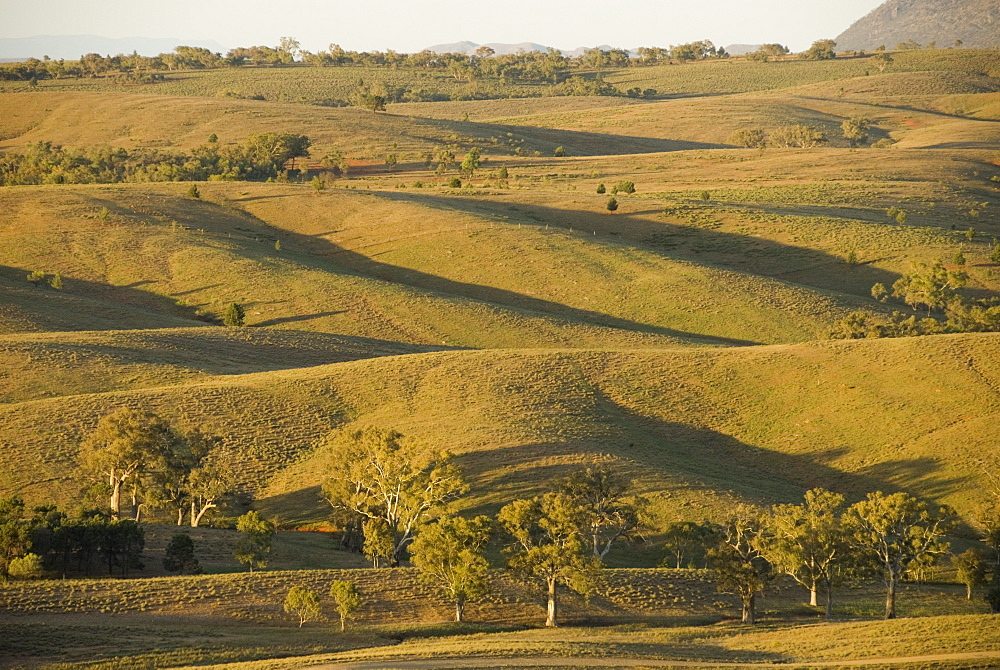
(975, 22)
(71, 47)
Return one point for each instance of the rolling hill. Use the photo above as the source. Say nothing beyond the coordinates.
(516, 320)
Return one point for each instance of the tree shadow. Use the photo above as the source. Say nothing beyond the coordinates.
(325, 255)
(88, 305)
(293, 319)
(704, 245)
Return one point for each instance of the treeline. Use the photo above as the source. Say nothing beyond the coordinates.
(526, 66)
(260, 157)
(44, 540)
(391, 500)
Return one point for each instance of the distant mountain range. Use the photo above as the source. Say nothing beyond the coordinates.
(975, 22)
(71, 47)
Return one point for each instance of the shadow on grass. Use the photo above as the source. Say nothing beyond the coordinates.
(88, 305)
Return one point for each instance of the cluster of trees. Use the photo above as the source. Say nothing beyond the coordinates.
(392, 500)
(260, 157)
(798, 135)
(933, 287)
(820, 544)
(43, 539)
(137, 457)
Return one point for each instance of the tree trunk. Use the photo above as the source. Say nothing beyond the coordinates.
(968, 591)
(890, 599)
(552, 618)
(813, 601)
(460, 609)
(749, 607)
(343, 623)
(180, 516)
(829, 600)
(116, 499)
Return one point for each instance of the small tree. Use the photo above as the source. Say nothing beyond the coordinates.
(612, 513)
(449, 554)
(706, 196)
(234, 316)
(56, 282)
(455, 182)
(471, 162)
(893, 533)
(254, 546)
(601, 190)
(303, 602)
(685, 540)
(971, 570)
(821, 50)
(559, 152)
(739, 567)
(391, 160)
(348, 600)
(549, 544)
(193, 191)
(855, 130)
(612, 204)
(751, 138)
(180, 557)
(36, 277)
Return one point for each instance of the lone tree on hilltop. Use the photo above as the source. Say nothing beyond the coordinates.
(821, 50)
(449, 554)
(894, 533)
(391, 482)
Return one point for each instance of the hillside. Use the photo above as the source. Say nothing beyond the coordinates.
(516, 320)
(698, 429)
(974, 23)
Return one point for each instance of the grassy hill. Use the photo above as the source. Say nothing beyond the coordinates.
(698, 429)
(517, 321)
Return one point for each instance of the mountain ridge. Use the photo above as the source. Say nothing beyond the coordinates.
(972, 23)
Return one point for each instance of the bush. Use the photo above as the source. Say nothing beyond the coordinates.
(234, 316)
(612, 204)
(179, 556)
(28, 566)
(751, 138)
(625, 187)
(601, 190)
(455, 182)
(193, 191)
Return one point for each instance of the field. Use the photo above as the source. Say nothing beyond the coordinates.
(683, 339)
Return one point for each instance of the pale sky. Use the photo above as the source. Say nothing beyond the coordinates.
(409, 26)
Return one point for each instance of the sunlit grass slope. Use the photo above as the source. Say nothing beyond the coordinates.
(698, 428)
(422, 269)
(69, 363)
